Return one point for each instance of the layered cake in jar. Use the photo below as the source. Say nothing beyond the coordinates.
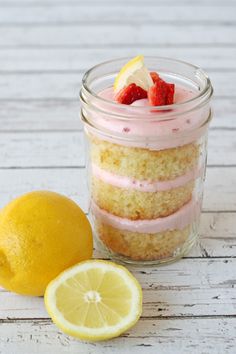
(147, 138)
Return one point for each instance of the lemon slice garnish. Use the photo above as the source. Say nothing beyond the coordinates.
(133, 72)
(94, 300)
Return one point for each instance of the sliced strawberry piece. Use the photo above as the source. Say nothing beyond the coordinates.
(155, 77)
(161, 93)
(157, 94)
(130, 93)
(170, 94)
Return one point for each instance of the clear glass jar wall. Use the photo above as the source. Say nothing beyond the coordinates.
(146, 165)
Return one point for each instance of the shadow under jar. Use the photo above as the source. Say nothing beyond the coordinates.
(146, 165)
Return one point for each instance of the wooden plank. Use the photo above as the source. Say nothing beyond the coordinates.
(72, 182)
(80, 59)
(217, 236)
(80, 13)
(56, 3)
(113, 35)
(67, 85)
(192, 287)
(38, 86)
(220, 193)
(63, 114)
(42, 150)
(37, 149)
(221, 144)
(224, 112)
(176, 303)
(40, 115)
(198, 336)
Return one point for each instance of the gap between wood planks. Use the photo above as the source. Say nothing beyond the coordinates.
(142, 318)
(91, 23)
(117, 45)
(52, 86)
(72, 3)
(80, 72)
(101, 35)
(74, 167)
(204, 33)
(62, 14)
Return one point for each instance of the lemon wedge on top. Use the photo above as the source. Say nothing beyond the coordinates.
(94, 300)
(133, 72)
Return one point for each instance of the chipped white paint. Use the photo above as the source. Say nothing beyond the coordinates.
(45, 46)
(114, 34)
(77, 59)
(186, 335)
(66, 149)
(192, 287)
(44, 85)
(63, 114)
(78, 13)
(72, 181)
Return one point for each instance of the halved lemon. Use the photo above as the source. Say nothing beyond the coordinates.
(133, 72)
(94, 300)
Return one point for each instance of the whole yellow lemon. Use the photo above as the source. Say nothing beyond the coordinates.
(41, 234)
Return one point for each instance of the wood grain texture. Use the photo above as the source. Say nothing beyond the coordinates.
(67, 85)
(71, 182)
(114, 35)
(217, 235)
(56, 3)
(192, 287)
(31, 115)
(67, 149)
(63, 114)
(82, 13)
(80, 59)
(220, 194)
(195, 335)
(50, 149)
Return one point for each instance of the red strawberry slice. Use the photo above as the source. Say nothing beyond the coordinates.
(155, 77)
(130, 93)
(161, 93)
(157, 94)
(170, 94)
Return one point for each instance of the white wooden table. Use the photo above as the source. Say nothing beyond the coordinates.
(45, 46)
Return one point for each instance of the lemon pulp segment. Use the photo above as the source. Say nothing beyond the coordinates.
(133, 72)
(94, 300)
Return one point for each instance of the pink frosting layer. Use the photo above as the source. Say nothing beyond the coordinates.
(144, 186)
(178, 220)
(146, 132)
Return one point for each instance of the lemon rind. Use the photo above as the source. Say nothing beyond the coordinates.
(86, 333)
(129, 71)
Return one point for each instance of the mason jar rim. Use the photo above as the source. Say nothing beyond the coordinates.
(206, 92)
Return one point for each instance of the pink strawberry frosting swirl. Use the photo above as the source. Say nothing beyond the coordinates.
(177, 221)
(144, 129)
(144, 186)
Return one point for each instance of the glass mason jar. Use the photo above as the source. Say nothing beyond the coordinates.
(146, 165)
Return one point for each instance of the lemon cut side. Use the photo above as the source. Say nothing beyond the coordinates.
(133, 72)
(94, 300)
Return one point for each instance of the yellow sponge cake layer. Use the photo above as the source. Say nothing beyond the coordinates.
(134, 204)
(141, 246)
(143, 164)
